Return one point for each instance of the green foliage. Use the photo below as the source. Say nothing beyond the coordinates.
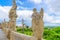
(27, 31)
(49, 33)
(52, 34)
(57, 30)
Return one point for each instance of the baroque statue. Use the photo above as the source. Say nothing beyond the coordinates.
(13, 16)
(37, 24)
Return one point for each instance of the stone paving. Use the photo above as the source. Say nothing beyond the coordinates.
(2, 35)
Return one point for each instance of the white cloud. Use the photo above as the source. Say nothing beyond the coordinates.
(25, 13)
(53, 6)
(51, 19)
(21, 7)
(36, 1)
(56, 21)
(18, 1)
(48, 18)
(4, 11)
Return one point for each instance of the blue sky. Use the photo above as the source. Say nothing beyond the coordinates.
(25, 7)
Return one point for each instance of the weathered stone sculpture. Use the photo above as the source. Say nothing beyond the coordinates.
(37, 24)
(12, 21)
(13, 16)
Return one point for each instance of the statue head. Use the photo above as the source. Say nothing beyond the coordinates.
(34, 10)
(14, 4)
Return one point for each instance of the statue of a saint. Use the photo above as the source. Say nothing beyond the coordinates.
(37, 24)
(12, 13)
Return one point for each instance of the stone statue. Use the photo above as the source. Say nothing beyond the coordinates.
(37, 24)
(12, 21)
(13, 16)
(12, 13)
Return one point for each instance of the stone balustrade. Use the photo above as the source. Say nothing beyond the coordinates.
(37, 28)
(18, 36)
